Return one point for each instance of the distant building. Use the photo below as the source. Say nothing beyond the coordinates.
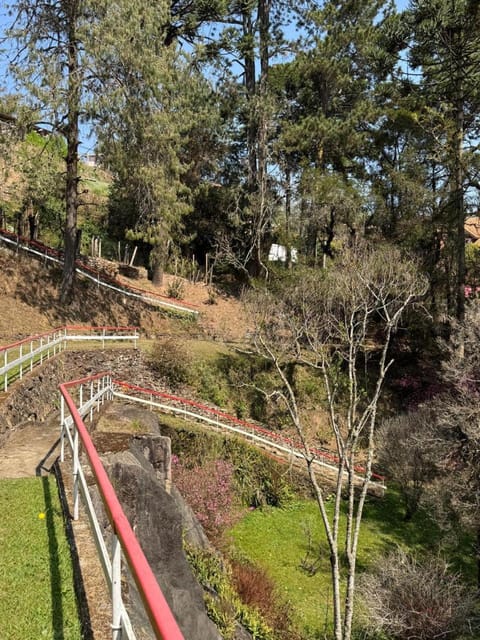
(472, 230)
(90, 159)
(278, 253)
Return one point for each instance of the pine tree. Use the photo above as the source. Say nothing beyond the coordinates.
(145, 146)
(250, 37)
(329, 98)
(444, 46)
(68, 58)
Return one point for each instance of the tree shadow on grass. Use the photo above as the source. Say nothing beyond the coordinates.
(56, 586)
(387, 514)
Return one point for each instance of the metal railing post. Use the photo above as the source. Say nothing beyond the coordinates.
(21, 363)
(106, 389)
(116, 589)
(91, 397)
(62, 428)
(5, 362)
(76, 464)
(103, 338)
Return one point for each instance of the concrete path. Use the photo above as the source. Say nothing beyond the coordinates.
(31, 450)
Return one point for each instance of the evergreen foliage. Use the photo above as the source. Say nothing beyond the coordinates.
(222, 131)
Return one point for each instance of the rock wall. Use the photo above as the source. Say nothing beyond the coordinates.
(103, 266)
(36, 396)
(159, 521)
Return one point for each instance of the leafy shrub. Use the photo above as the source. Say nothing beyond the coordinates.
(212, 295)
(225, 607)
(171, 360)
(257, 591)
(258, 479)
(176, 289)
(210, 384)
(406, 451)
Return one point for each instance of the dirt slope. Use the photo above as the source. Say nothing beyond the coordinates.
(29, 305)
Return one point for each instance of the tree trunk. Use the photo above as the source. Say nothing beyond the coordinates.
(459, 209)
(72, 139)
(157, 275)
(157, 265)
(250, 87)
(478, 558)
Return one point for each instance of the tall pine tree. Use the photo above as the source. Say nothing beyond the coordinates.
(444, 46)
(68, 58)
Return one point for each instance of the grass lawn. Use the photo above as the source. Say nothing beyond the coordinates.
(37, 598)
(277, 540)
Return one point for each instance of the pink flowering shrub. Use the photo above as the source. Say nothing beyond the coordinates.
(209, 490)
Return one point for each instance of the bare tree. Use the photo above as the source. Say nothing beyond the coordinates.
(454, 497)
(408, 599)
(407, 452)
(339, 322)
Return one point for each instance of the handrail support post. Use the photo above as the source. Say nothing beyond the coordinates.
(76, 463)
(62, 428)
(116, 588)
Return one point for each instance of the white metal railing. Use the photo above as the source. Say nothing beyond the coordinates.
(252, 432)
(52, 255)
(96, 395)
(91, 393)
(20, 357)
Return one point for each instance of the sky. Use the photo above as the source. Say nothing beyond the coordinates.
(88, 146)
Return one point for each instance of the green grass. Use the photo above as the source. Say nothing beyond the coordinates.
(14, 374)
(37, 598)
(207, 350)
(97, 187)
(276, 540)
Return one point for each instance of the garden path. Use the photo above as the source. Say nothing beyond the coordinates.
(31, 450)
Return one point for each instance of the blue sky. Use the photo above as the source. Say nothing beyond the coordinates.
(5, 20)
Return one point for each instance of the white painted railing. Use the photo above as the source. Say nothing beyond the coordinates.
(20, 357)
(90, 394)
(52, 255)
(252, 432)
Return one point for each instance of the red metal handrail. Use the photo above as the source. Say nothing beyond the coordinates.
(272, 435)
(163, 622)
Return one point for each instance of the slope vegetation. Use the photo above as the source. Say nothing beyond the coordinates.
(28, 291)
